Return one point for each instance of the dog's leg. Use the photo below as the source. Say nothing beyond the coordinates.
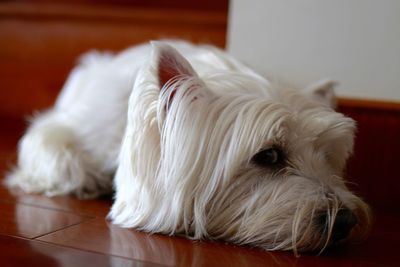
(52, 161)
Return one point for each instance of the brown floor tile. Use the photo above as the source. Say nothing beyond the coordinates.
(99, 236)
(30, 222)
(16, 252)
(92, 207)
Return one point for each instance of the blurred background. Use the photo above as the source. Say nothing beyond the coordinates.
(354, 42)
(40, 40)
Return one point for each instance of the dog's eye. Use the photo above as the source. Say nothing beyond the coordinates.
(268, 157)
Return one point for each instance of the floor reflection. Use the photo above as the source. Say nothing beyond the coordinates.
(177, 251)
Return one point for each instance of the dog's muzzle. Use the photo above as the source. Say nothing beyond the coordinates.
(344, 222)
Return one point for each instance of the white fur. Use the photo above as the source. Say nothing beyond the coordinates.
(182, 150)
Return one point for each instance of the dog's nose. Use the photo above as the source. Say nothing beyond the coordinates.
(344, 222)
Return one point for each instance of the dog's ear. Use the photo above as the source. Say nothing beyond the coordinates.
(324, 92)
(170, 63)
(172, 69)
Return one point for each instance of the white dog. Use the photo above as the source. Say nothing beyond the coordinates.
(199, 145)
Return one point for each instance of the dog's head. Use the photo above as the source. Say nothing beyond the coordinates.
(226, 156)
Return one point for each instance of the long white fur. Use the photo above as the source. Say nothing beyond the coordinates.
(180, 153)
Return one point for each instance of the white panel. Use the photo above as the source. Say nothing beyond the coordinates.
(356, 42)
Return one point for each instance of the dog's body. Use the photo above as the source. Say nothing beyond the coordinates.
(199, 145)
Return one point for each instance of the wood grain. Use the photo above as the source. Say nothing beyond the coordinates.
(373, 168)
(220, 5)
(41, 43)
(172, 251)
(30, 222)
(16, 252)
(99, 236)
(368, 104)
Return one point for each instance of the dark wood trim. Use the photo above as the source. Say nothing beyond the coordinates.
(210, 5)
(156, 16)
(41, 41)
(369, 104)
(374, 166)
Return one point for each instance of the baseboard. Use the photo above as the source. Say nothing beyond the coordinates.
(374, 165)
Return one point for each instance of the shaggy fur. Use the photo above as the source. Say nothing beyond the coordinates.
(198, 145)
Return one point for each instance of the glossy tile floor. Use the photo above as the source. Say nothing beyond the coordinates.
(63, 231)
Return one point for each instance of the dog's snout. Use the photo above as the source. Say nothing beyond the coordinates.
(344, 222)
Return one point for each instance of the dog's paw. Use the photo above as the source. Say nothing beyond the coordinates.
(18, 178)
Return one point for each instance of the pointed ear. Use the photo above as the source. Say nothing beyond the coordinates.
(323, 91)
(170, 64)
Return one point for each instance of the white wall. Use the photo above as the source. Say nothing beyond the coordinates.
(356, 42)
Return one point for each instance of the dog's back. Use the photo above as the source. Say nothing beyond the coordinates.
(74, 146)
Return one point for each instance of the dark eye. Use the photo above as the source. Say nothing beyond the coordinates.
(268, 157)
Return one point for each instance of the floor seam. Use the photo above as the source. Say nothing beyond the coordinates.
(63, 228)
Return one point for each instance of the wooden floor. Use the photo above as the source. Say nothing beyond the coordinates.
(63, 231)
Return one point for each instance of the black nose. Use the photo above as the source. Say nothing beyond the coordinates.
(344, 223)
